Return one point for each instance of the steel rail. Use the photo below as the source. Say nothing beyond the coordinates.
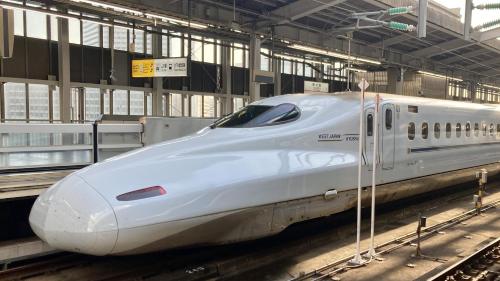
(330, 269)
(488, 254)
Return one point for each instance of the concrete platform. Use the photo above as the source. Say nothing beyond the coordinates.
(452, 245)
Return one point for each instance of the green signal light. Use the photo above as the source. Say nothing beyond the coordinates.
(401, 26)
(399, 10)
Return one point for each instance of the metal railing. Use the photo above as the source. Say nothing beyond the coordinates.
(46, 145)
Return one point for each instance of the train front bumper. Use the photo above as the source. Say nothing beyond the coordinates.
(72, 216)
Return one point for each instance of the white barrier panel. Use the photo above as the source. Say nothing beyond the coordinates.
(158, 129)
(46, 145)
(44, 128)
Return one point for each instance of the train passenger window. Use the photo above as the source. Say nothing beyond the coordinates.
(411, 131)
(369, 125)
(467, 129)
(498, 130)
(437, 130)
(448, 130)
(485, 129)
(476, 130)
(425, 130)
(388, 119)
(459, 130)
(259, 115)
(492, 129)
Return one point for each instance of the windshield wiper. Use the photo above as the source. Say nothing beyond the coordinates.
(214, 124)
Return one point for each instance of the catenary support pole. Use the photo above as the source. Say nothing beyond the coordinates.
(357, 260)
(371, 252)
(349, 36)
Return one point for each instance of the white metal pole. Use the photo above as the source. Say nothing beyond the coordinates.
(372, 252)
(357, 260)
(349, 65)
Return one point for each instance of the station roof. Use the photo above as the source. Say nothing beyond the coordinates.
(316, 23)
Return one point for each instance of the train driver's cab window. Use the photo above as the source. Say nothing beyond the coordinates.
(437, 130)
(492, 129)
(476, 130)
(425, 130)
(411, 131)
(448, 130)
(259, 115)
(485, 129)
(388, 119)
(467, 129)
(369, 125)
(458, 130)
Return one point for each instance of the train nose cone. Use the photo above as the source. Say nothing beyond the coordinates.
(72, 216)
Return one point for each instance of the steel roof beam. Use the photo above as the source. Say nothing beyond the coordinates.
(393, 40)
(445, 47)
(465, 56)
(489, 62)
(488, 35)
(302, 8)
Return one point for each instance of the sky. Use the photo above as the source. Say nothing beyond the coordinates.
(478, 16)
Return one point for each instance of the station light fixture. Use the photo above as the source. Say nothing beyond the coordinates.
(300, 59)
(317, 62)
(176, 21)
(27, 8)
(332, 54)
(122, 9)
(356, 69)
(110, 6)
(55, 13)
(490, 86)
(431, 74)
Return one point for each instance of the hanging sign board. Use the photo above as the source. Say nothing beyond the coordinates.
(311, 86)
(170, 67)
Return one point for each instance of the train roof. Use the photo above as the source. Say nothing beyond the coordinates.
(329, 98)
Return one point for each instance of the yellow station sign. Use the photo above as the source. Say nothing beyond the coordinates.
(168, 67)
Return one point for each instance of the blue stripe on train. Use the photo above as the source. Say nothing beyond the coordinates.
(435, 148)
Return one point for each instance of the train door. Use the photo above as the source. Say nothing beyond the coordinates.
(388, 130)
(368, 127)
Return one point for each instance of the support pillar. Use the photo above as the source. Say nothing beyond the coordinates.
(157, 101)
(319, 74)
(277, 75)
(400, 84)
(254, 61)
(468, 19)
(227, 104)
(64, 70)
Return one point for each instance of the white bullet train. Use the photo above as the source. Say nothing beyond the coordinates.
(277, 161)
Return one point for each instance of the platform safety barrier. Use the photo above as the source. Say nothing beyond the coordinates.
(44, 145)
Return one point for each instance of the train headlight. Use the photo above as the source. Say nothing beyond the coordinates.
(147, 192)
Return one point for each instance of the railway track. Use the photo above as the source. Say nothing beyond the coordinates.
(226, 262)
(29, 183)
(484, 264)
(341, 265)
